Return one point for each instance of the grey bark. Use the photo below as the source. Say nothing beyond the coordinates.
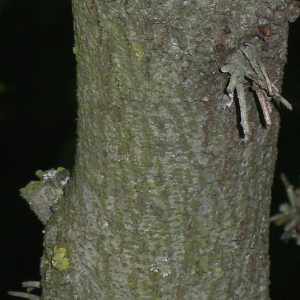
(166, 200)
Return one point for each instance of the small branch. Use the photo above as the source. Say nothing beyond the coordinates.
(24, 295)
(31, 284)
(281, 99)
(243, 108)
(285, 181)
(264, 107)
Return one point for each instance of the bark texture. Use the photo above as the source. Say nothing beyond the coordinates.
(166, 200)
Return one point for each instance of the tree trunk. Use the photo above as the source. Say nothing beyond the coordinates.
(169, 198)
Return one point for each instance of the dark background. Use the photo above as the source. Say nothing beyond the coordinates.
(38, 131)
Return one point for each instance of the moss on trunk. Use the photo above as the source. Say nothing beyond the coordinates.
(166, 201)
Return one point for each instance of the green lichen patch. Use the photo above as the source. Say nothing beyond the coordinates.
(42, 195)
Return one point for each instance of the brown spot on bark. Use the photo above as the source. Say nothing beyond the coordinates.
(265, 30)
(227, 30)
(221, 48)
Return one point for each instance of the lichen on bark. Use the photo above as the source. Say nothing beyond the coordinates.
(165, 201)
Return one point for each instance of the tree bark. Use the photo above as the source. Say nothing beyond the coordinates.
(166, 200)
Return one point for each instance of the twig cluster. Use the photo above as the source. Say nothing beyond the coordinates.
(244, 63)
(30, 285)
(289, 215)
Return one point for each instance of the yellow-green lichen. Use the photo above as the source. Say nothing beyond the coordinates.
(76, 53)
(42, 195)
(218, 272)
(59, 260)
(138, 50)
